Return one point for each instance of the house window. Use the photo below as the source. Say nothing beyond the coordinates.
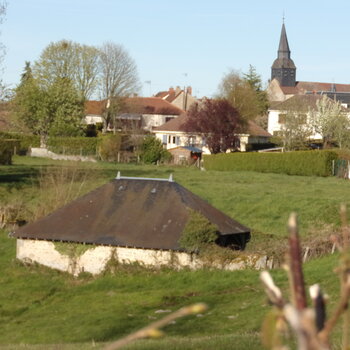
(177, 140)
(169, 139)
(174, 139)
(168, 118)
(192, 141)
(164, 139)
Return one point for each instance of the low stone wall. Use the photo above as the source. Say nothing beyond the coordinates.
(94, 260)
(45, 153)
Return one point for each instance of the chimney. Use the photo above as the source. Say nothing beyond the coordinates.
(177, 90)
(189, 90)
(171, 90)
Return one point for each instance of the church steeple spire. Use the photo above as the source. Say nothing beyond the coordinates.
(283, 68)
(283, 48)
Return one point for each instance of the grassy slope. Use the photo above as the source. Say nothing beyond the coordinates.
(38, 305)
(41, 306)
(260, 201)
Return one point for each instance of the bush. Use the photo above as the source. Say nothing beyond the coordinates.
(85, 146)
(26, 141)
(198, 233)
(6, 151)
(152, 151)
(109, 147)
(307, 163)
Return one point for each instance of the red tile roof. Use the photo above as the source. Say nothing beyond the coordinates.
(178, 125)
(151, 105)
(170, 95)
(256, 130)
(315, 86)
(300, 102)
(289, 90)
(95, 107)
(141, 105)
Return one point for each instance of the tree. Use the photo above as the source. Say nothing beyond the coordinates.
(54, 110)
(244, 93)
(340, 130)
(240, 94)
(29, 106)
(118, 77)
(254, 80)
(152, 150)
(57, 61)
(5, 92)
(64, 109)
(87, 71)
(69, 60)
(295, 131)
(328, 117)
(218, 121)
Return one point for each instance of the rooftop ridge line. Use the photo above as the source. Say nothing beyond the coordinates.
(119, 177)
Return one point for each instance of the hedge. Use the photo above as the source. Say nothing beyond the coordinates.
(25, 141)
(85, 146)
(307, 163)
(6, 150)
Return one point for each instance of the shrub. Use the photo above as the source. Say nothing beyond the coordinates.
(6, 150)
(25, 141)
(109, 147)
(152, 151)
(198, 233)
(90, 130)
(307, 163)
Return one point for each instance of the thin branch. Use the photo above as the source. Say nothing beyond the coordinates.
(342, 306)
(152, 330)
(319, 306)
(296, 264)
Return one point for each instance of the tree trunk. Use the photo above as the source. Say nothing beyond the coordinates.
(43, 140)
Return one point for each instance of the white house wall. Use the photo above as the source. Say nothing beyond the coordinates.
(95, 259)
(153, 120)
(178, 138)
(274, 126)
(93, 119)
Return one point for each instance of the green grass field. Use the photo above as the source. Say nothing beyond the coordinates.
(41, 306)
(263, 202)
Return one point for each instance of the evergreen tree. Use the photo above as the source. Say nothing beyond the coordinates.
(27, 74)
(254, 81)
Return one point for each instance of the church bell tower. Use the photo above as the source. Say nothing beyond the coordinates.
(283, 68)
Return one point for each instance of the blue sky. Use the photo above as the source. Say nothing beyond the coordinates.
(178, 42)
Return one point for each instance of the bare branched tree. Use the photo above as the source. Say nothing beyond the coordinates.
(87, 70)
(4, 91)
(118, 77)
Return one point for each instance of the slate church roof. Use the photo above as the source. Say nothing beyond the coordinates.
(131, 212)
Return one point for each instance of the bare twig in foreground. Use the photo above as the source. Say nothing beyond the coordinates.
(295, 261)
(152, 330)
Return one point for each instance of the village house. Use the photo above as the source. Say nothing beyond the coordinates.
(301, 104)
(174, 134)
(134, 112)
(181, 98)
(129, 220)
